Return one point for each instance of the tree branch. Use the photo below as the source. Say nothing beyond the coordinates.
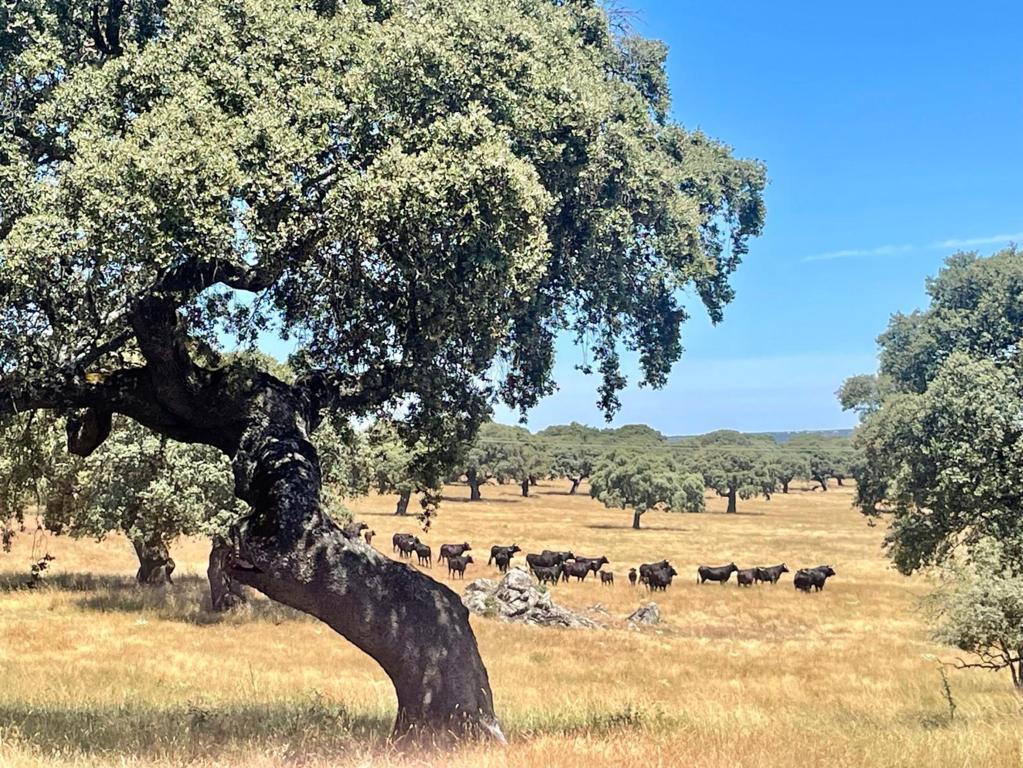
(323, 390)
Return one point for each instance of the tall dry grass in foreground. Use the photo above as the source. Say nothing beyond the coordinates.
(95, 672)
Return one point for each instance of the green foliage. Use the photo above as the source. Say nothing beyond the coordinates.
(944, 453)
(505, 453)
(642, 481)
(345, 467)
(736, 471)
(422, 189)
(137, 483)
(863, 394)
(394, 466)
(979, 609)
(825, 457)
(786, 465)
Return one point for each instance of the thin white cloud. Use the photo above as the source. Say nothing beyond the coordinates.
(883, 250)
(892, 250)
(1017, 237)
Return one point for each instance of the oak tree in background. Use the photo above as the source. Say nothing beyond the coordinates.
(574, 449)
(826, 457)
(641, 481)
(787, 465)
(736, 471)
(943, 454)
(422, 194)
(393, 465)
(524, 458)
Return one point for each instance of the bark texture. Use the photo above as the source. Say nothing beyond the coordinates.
(155, 563)
(225, 592)
(474, 486)
(289, 549)
(402, 506)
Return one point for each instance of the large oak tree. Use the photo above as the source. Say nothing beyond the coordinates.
(422, 194)
(943, 452)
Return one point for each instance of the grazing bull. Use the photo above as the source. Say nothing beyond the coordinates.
(579, 570)
(659, 579)
(503, 560)
(425, 554)
(721, 573)
(633, 577)
(560, 557)
(368, 535)
(456, 564)
(746, 577)
(448, 551)
(771, 573)
(497, 549)
(547, 559)
(548, 574)
(398, 538)
(594, 563)
(607, 578)
(354, 530)
(647, 568)
(812, 578)
(407, 546)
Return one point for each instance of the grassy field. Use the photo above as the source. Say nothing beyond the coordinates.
(96, 672)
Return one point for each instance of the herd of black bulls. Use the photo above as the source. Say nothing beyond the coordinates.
(552, 567)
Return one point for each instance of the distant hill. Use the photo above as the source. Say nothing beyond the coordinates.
(778, 437)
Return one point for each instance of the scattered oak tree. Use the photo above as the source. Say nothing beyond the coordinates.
(943, 454)
(639, 481)
(574, 449)
(523, 459)
(736, 471)
(424, 194)
(825, 457)
(787, 465)
(393, 465)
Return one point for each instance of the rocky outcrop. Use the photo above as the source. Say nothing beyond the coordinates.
(646, 614)
(517, 598)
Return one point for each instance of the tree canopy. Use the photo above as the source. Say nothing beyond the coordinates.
(640, 481)
(944, 452)
(736, 471)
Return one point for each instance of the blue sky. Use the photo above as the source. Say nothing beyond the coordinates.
(893, 135)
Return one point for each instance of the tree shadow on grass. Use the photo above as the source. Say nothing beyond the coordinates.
(186, 600)
(484, 500)
(312, 725)
(628, 527)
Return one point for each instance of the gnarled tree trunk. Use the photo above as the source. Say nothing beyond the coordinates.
(575, 485)
(225, 592)
(401, 508)
(474, 485)
(155, 563)
(289, 549)
(635, 519)
(525, 487)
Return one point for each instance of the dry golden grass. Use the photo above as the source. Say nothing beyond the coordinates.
(94, 672)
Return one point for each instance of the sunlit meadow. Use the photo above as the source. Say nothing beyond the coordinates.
(97, 672)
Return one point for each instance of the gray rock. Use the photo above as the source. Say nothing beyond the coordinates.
(517, 598)
(646, 614)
